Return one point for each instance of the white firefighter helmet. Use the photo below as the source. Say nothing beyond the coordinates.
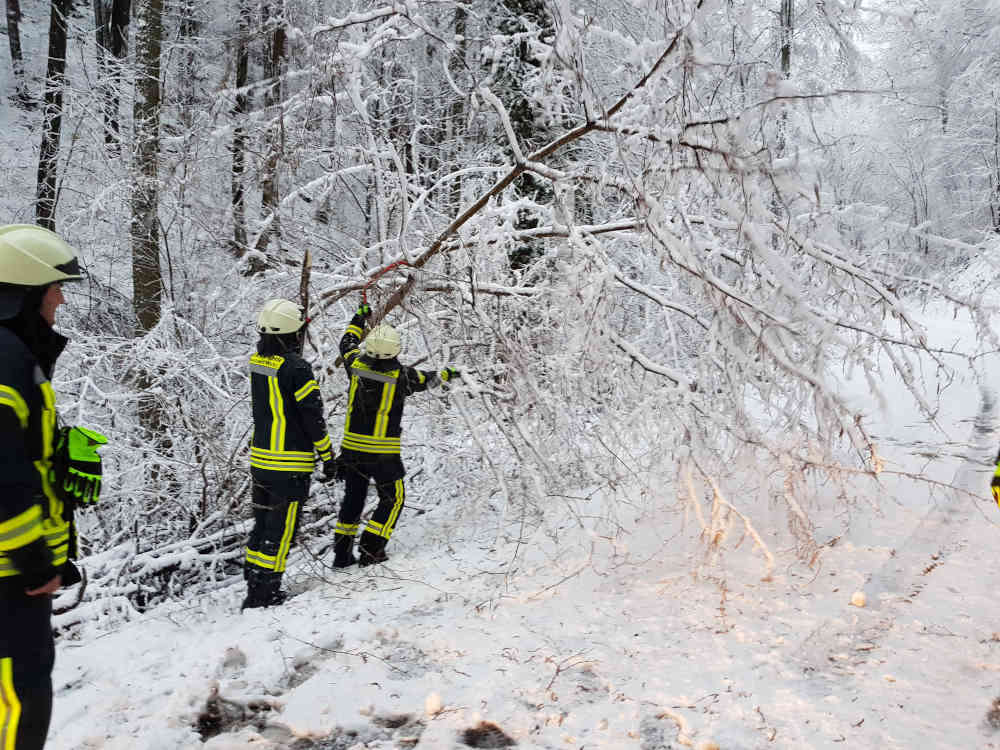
(280, 316)
(34, 256)
(383, 342)
(31, 257)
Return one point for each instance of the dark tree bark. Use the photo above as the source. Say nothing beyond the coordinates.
(190, 27)
(273, 18)
(787, 24)
(147, 277)
(520, 66)
(16, 59)
(111, 19)
(46, 195)
(240, 109)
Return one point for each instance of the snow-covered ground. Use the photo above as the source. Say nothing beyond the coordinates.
(588, 636)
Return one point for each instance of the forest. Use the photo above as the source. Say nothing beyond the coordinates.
(657, 237)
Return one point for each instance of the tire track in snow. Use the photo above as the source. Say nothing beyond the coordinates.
(835, 645)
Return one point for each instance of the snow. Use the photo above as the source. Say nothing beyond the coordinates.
(607, 626)
(588, 636)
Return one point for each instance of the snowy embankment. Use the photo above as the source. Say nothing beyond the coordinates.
(602, 639)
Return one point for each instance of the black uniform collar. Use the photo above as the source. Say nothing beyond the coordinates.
(382, 365)
(40, 338)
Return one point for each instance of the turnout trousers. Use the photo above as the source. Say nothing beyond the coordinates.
(360, 470)
(275, 522)
(27, 655)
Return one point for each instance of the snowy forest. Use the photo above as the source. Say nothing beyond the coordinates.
(675, 247)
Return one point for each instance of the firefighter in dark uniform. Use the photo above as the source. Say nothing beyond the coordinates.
(995, 482)
(289, 435)
(370, 450)
(36, 534)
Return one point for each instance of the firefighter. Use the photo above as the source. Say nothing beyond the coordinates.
(995, 482)
(370, 450)
(37, 537)
(289, 436)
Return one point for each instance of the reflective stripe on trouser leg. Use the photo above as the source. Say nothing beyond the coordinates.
(10, 706)
(260, 558)
(345, 529)
(394, 504)
(291, 519)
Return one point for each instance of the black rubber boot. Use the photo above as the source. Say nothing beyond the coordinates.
(263, 589)
(371, 549)
(343, 551)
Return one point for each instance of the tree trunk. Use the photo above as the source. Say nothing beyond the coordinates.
(270, 187)
(147, 278)
(111, 18)
(48, 157)
(240, 109)
(456, 117)
(787, 20)
(787, 27)
(190, 27)
(16, 59)
(517, 17)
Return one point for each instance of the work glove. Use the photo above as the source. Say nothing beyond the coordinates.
(450, 373)
(76, 465)
(331, 469)
(364, 310)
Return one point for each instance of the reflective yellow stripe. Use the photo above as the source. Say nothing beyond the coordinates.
(44, 464)
(305, 390)
(266, 365)
(299, 466)
(10, 706)
(48, 419)
(324, 448)
(22, 529)
(354, 330)
(259, 559)
(369, 444)
(55, 532)
(10, 397)
(385, 530)
(286, 539)
(350, 401)
(280, 455)
(382, 418)
(346, 529)
(277, 414)
(377, 449)
(397, 508)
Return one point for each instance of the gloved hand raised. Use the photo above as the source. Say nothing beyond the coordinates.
(450, 373)
(364, 310)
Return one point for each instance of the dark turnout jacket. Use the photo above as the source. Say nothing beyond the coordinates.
(34, 526)
(378, 391)
(289, 431)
